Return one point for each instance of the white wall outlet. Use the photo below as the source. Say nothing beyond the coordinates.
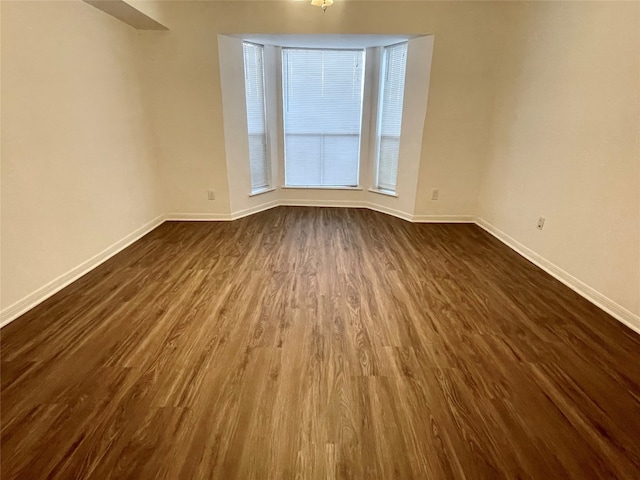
(211, 194)
(435, 194)
(540, 225)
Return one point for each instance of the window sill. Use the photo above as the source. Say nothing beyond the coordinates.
(320, 188)
(261, 191)
(388, 193)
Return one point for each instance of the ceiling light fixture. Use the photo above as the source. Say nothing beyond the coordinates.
(322, 4)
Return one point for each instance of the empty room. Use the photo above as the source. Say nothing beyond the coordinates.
(328, 239)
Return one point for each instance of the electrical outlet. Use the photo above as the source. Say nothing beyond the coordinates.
(540, 225)
(211, 194)
(435, 194)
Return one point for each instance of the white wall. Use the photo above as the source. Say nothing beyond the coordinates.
(461, 92)
(235, 127)
(565, 143)
(533, 111)
(78, 170)
(417, 80)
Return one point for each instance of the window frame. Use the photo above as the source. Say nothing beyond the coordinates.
(268, 187)
(281, 120)
(379, 110)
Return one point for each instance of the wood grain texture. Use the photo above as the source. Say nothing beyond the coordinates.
(311, 343)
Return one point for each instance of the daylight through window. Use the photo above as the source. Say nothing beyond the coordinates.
(322, 106)
(256, 117)
(391, 98)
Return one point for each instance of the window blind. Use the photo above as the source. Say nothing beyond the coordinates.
(322, 96)
(256, 118)
(394, 65)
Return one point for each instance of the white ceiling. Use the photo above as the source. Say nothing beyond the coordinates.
(325, 41)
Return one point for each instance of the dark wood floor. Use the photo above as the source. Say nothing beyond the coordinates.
(319, 343)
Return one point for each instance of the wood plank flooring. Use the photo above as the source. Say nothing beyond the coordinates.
(311, 343)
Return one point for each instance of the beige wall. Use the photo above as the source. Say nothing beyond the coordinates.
(533, 111)
(235, 125)
(78, 172)
(564, 142)
(183, 78)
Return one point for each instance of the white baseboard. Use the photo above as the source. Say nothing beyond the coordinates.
(198, 217)
(389, 211)
(301, 202)
(257, 209)
(12, 312)
(443, 219)
(617, 311)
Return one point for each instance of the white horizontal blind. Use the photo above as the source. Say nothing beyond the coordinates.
(390, 115)
(256, 121)
(322, 95)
